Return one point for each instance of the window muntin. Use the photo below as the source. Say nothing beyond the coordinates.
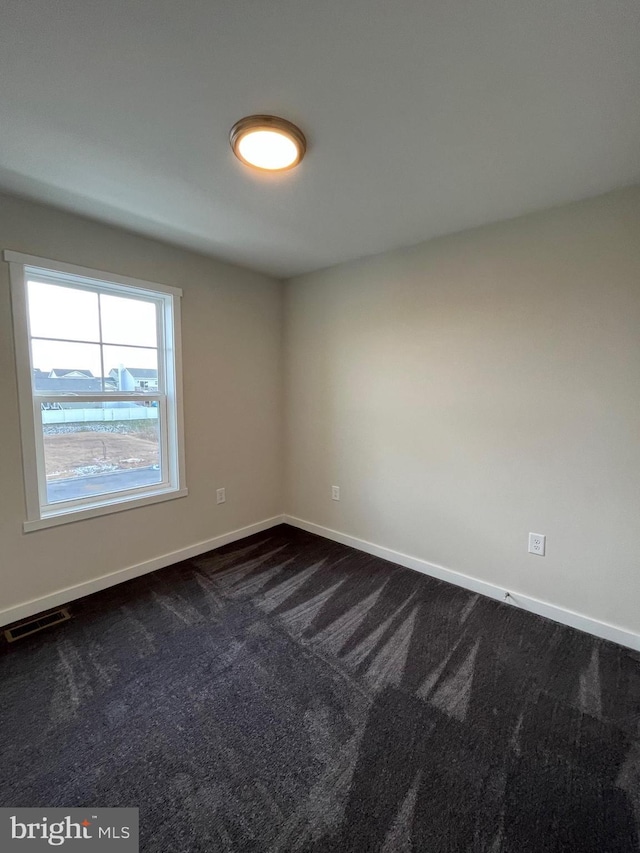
(101, 333)
(99, 361)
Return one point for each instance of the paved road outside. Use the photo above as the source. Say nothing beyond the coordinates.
(98, 484)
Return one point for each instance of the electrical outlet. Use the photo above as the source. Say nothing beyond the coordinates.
(537, 544)
(335, 493)
(220, 496)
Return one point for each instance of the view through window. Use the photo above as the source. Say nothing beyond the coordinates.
(102, 387)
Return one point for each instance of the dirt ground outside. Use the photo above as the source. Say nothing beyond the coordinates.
(85, 452)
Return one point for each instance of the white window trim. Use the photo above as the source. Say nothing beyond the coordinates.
(174, 486)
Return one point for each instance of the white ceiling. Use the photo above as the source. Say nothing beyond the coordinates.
(423, 116)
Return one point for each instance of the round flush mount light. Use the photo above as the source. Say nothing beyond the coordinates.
(267, 142)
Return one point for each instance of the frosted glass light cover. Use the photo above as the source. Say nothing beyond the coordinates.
(268, 149)
(267, 142)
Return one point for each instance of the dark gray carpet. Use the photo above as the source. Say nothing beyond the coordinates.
(286, 693)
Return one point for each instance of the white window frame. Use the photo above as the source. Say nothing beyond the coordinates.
(40, 513)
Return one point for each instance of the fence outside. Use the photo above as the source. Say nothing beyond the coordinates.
(84, 416)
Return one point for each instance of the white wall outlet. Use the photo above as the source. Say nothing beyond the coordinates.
(537, 544)
(335, 493)
(220, 496)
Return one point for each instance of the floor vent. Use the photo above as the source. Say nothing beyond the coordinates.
(38, 623)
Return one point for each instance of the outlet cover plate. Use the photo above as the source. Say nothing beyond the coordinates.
(537, 544)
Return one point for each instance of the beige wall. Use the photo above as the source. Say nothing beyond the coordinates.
(232, 404)
(462, 393)
(477, 387)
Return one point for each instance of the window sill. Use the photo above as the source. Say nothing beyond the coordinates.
(102, 509)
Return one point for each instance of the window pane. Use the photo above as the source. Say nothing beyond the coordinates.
(61, 368)
(63, 312)
(131, 369)
(98, 448)
(128, 321)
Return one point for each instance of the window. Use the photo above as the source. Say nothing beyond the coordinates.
(99, 380)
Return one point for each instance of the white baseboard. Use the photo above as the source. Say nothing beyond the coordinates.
(63, 596)
(525, 602)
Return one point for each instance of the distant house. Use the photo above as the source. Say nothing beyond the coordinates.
(73, 381)
(69, 373)
(135, 378)
(65, 384)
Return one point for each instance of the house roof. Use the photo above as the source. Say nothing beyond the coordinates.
(59, 385)
(63, 371)
(143, 372)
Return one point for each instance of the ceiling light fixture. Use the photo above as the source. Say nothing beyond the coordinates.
(267, 142)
